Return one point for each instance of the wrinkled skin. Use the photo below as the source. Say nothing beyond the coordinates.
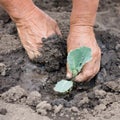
(85, 37)
(81, 34)
(31, 34)
(33, 24)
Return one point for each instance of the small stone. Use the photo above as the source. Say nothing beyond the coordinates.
(42, 112)
(53, 115)
(100, 93)
(74, 109)
(85, 100)
(33, 98)
(3, 69)
(67, 116)
(117, 47)
(85, 110)
(62, 114)
(58, 108)
(72, 118)
(43, 107)
(100, 108)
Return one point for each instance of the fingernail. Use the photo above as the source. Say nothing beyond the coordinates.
(69, 75)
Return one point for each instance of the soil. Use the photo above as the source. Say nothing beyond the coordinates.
(26, 87)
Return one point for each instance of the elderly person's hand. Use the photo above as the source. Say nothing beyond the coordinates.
(84, 36)
(81, 34)
(32, 24)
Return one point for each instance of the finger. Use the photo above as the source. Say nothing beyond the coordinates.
(84, 76)
(69, 73)
(87, 72)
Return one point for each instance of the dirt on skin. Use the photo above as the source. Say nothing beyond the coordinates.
(26, 87)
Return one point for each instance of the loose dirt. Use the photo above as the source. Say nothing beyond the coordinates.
(26, 87)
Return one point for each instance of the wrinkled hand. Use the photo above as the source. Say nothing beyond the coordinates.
(84, 36)
(32, 24)
(32, 28)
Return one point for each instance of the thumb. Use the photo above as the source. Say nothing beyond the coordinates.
(69, 74)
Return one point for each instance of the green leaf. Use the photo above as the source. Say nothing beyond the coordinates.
(63, 86)
(77, 58)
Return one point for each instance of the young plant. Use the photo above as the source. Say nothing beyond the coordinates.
(76, 59)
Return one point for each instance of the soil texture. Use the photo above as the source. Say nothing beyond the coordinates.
(26, 87)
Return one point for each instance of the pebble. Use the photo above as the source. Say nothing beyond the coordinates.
(61, 114)
(33, 98)
(117, 47)
(3, 69)
(67, 116)
(100, 93)
(43, 107)
(100, 108)
(58, 108)
(72, 118)
(85, 100)
(74, 109)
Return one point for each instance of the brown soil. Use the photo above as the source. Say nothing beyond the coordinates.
(27, 86)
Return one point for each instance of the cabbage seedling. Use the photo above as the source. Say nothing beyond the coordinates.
(76, 59)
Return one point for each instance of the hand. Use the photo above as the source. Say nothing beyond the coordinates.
(84, 36)
(32, 24)
(33, 28)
